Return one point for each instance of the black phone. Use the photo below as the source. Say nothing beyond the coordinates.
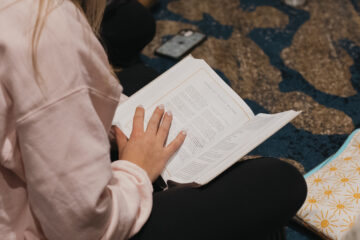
(180, 44)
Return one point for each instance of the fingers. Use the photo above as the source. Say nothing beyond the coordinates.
(176, 143)
(164, 128)
(155, 119)
(138, 121)
(121, 139)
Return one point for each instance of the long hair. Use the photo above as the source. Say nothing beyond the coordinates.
(93, 10)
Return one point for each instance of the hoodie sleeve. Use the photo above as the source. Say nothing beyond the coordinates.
(72, 187)
(62, 121)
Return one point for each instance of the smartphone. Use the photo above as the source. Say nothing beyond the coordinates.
(181, 44)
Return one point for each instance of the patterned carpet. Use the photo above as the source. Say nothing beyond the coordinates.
(277, 58)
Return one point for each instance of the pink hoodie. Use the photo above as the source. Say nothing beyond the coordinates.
(56, 179)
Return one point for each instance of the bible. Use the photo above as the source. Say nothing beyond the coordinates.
(221, 128)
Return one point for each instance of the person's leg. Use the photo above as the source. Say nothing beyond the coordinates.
(135, 77)
(127, 27)
(251, 200)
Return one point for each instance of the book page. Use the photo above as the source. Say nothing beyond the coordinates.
(201, 103)
(235, 144)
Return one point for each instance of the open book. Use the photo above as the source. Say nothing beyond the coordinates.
(221, 128)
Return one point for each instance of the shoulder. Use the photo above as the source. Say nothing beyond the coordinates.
(58, 29)
(19, 17)
(68, 54)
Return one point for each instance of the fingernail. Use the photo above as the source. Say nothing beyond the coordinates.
(169, 113)
(140, 106)
(183, 132)
(161, 106)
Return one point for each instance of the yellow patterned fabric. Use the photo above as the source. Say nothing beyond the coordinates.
(333, 201)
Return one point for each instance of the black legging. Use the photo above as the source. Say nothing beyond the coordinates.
(127, 27)
(251, 200)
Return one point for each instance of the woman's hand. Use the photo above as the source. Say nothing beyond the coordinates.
(147, 148)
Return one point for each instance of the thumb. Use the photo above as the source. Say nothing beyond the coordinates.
(121, 139)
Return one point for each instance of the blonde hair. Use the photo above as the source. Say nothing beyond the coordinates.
(93, 10)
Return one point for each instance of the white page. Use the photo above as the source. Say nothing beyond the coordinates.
(236, 143)
(200, 101)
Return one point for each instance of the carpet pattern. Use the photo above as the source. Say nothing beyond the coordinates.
(277, 58)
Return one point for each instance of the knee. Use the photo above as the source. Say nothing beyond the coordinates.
(148, 29)
(129, 24)
(148, 24)
(291, 185)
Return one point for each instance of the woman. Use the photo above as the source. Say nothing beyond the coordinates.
(57, 100)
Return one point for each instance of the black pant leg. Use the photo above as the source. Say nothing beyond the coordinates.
(135, 77)
(127, 27)
(251, 200)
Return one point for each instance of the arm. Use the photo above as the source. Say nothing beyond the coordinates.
(73, 190)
